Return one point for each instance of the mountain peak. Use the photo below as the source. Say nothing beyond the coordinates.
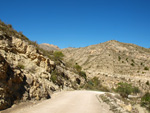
(49, 47)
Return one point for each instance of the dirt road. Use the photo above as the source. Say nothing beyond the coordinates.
(69, 102)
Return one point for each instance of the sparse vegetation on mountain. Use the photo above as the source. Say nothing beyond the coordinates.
(82, 74)
(133, 61)
(146, 68)
(132, 64)
(125, 89)
(58, 55)
(20, 66)
(54, 77)
(95, 84)
(119, 58)
(145, 101)
(78, 69)
(111, 58)
(147, 83)
(8, 30)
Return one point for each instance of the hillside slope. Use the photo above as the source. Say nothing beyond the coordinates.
(28, 72)
(113, 62)
(112, 57)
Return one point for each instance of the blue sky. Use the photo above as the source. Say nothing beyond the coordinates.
(79, 23)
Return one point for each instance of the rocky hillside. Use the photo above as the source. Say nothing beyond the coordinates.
(113, 62)
(28, 72)
(49, 47)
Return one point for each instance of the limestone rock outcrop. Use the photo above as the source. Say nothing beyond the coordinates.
(26, 73)
(12, 83)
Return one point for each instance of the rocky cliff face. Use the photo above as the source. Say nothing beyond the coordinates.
(114, 62)
(11, 84)
(25, 73)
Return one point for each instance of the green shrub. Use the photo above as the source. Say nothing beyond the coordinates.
(95, 84)
(20, 66)
(54, 77)
(119, 58)
(132, 64)
(70, 63)
(132, 61)
(77, 68)
(58, 55)
(82, 74)
(135, 90)
(125, 89)
(147, 83)
(145, 101)
(146, 68)
(96, 81)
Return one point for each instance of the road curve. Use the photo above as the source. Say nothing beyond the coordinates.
(70, 102)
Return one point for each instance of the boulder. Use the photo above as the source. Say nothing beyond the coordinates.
(31, 49)
(20, 45)
(45, 75)
(29, 79)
